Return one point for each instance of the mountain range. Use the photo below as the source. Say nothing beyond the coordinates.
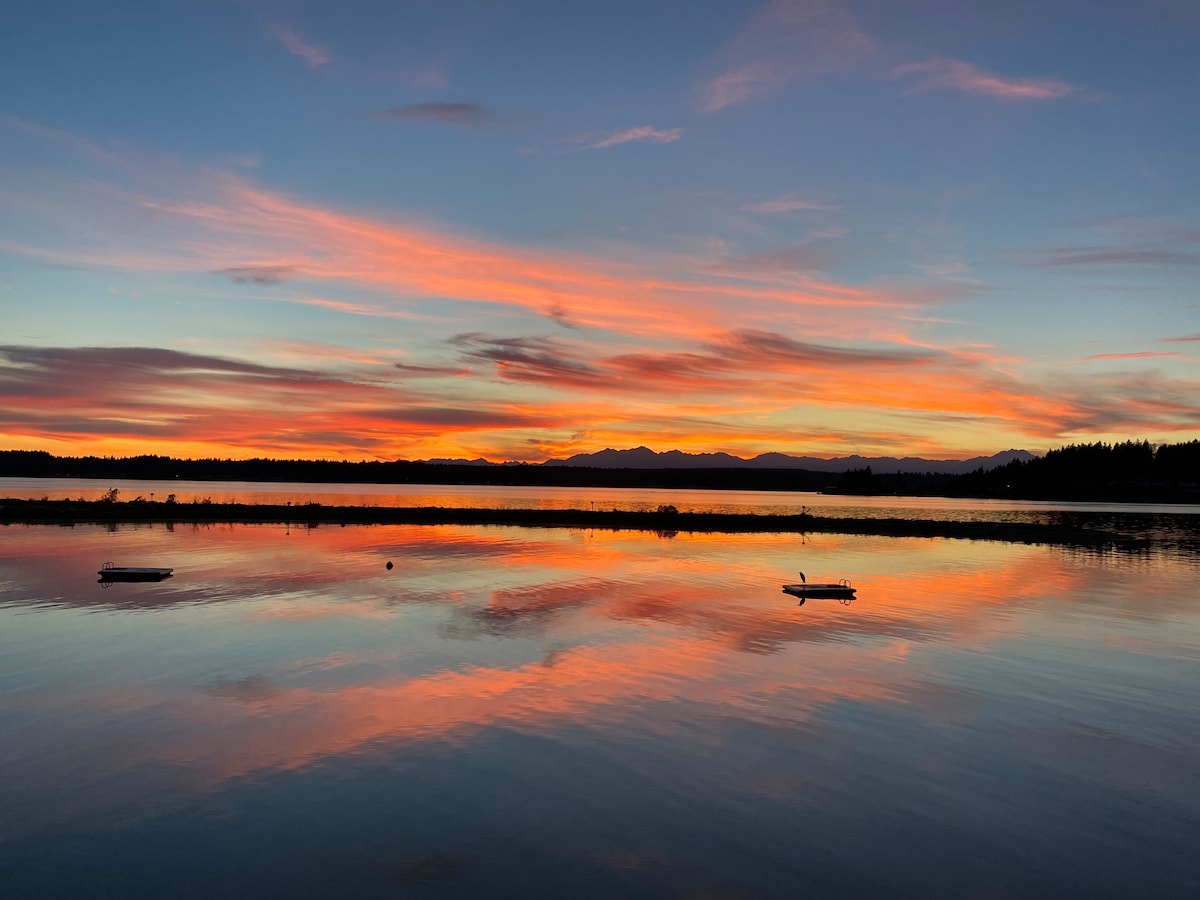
(645, 458)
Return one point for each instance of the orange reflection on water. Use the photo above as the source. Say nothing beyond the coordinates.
(231, 735)
(481, 628)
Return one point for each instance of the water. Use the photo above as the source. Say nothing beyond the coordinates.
(517, 497)
(525, 712)
(1177, 524)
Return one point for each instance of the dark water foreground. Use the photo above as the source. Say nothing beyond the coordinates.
(666, 519)
(519, 712)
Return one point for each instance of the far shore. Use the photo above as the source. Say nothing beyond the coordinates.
(665, 520)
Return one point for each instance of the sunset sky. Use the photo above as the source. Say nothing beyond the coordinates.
(521, 230)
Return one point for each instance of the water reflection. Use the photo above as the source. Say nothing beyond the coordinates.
(651, 710)
(1138, 517)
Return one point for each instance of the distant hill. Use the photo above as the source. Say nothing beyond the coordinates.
(645, 458)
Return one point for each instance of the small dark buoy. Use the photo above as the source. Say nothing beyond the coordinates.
(389, 565)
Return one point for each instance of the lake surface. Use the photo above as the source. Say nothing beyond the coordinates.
(523, 712)
(1173, 522)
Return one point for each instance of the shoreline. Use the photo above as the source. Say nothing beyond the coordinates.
(662, 521)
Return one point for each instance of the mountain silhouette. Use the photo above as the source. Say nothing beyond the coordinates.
(645, 458)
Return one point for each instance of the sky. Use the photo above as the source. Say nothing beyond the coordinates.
(523, 230)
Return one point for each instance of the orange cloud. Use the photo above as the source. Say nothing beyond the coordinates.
(323, 245)
(139, 399)
(747, 353)
(195, 220)
(163, 398)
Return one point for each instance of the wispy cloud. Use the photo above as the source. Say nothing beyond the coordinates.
(599, 140)
(786, 203)
(467, 115)
(670, 344)
(535, 359)
(1140, 354)
(288, 36)
(731, 364)
(270, 274)
(1132, 403)
(784, 42)
(944, 74)
(1092, 257)
(245, 160)
(1183, 338)
(414, 371)
(778, 370)
(115, 157)
(169, 398)
(192, 219)
(799, 258)
(200, 221)
(430, 77)
(1121, 244)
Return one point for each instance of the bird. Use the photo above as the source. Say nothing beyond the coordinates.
(802, 578)
(389, 565)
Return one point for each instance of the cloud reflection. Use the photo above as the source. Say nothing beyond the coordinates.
(340, 657)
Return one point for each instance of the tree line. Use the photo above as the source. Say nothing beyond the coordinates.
(1123, 472)
(41, 464)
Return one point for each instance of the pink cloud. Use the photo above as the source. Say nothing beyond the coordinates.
(429, 77)
(785, 204)
(598, 141)
(313, 55)
(940, 73)
(784, 42)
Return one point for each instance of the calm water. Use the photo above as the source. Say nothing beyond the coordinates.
(516, 497)
(522, 712)
(1178, 524)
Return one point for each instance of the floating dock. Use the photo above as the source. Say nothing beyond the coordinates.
(840, 590)
(109, 572)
